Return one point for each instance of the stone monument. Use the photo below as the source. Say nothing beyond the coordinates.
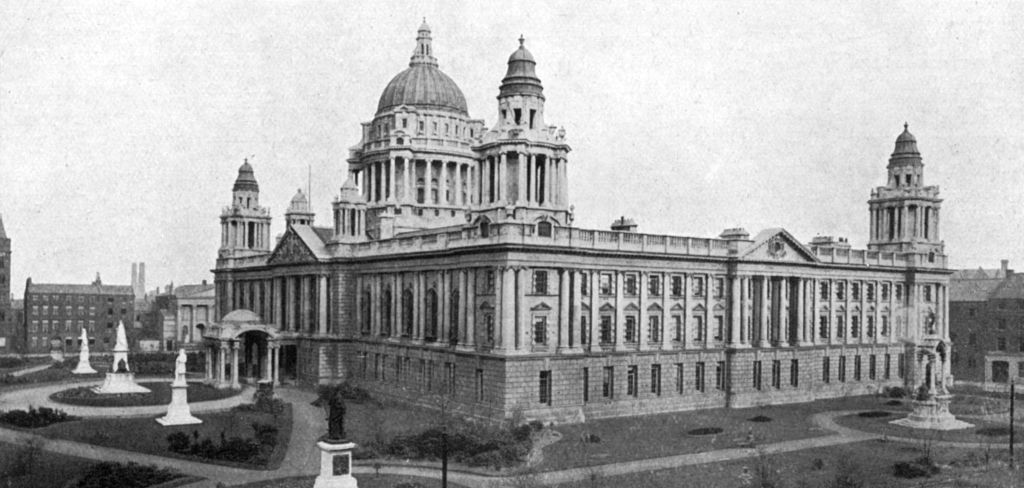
(178, 412)
(335, 450)
(83, 356)
(120, 379)
(931, 398)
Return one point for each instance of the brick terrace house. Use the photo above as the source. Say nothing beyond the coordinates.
(987, 322)
(55, 314)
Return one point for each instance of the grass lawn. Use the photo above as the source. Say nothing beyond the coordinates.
(52, 374)
(46, 469)
(147, 436)
(881, 425)
(160, 395)
(869, 461)
(364, 480)
(651, 436)
(367, 423)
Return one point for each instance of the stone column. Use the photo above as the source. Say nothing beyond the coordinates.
(275, 362)
(391, 197)
(222, 354)
(687, 313)
(801, 307)
(521, 318)
(521, 174)
(457, 197)
(208, 370)
(267, 373)
(531, 179)
(234, 364)
(502, 179)
(666, 334)
(735, 320)
(549, 181)
(763, 338)
(408, 168)
(419, 294)
(593, 342)
(396, 300)
(563, 182)
(563, 310)
(620, 313)
(444, 307)
(507, 307)
(322, 305)
(471, 308)
(575, 311)
(642, 317)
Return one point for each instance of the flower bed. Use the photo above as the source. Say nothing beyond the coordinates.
(160, 395)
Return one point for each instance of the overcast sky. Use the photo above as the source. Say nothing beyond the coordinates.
(122, 125)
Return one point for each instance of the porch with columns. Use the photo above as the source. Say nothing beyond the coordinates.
(241, 348)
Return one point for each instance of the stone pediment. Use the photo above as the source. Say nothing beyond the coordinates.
(292, 250)
(778, 245)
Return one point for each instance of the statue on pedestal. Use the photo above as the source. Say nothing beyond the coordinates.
(179, 367)
(122, 366)
(336, 418)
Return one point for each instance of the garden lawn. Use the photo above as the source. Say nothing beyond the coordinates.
(660, 435)
(47, 468)
(147, 436)
(368, 423)
(365, 481)
(881, 425)
(871, 463)
(160, 395)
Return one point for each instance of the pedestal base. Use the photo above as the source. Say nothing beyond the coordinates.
(335, 465)
(178, 412)
(932, 414)
(83, 368)
(120, 383)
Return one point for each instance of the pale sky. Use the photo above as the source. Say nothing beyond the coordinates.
(122, 125)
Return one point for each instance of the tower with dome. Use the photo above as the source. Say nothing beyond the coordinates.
(451, 265)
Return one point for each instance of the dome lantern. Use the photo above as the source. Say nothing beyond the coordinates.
(423, 84)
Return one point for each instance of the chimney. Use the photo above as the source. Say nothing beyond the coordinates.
(624, 225)
(204, 282)
(142, 279)
(1004, 265)
(135, 279)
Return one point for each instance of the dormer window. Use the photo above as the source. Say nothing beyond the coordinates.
(544, 229)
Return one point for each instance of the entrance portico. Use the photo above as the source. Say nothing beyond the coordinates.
(241, 348)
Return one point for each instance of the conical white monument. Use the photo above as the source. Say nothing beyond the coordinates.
(120, 379)
(178, 412)
(83, 356)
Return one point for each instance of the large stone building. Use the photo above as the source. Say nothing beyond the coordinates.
(183, 313)
(986, 318)
(451, 266)
(8, 330)
(55, 315)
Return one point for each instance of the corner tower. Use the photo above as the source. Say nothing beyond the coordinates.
(905, 212)
(299, 211)
(523, 161)
(245, 225)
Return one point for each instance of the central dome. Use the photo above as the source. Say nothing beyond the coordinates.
(423, 85)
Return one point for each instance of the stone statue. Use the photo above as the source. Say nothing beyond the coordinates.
(122, 366)
(336, 418)
(179, 365)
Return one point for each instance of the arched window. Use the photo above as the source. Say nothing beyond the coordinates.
(485, 228)
(420, 191)
(385, 310)
(453, 327)
(430, 334)
(407, 313)
(544, 229)
(433, 190)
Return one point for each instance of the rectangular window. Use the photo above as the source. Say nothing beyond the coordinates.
(678, 321)
(540, 329)
(540, 282)
(451, 378)
(719, 327)
(584, 284)
(885, 326)
(856, 368)
(479, 385)
(545, 387)
(631, 381)
(677, 286)
(826, 376)
(584, 329)
(654, 328)
(697, 283)
(384, 367)
(901, 367)
(855, 291)
(823, 327)
(794, 373)
(927, 293)
(871, 292)
(698, 377)
(871, 367)
(757, 375)
(855, 326)
(720, 375)
(698, 328)
(885, 291)
(654, 285)
(586, 385)
(841, 290)
(888, 365)
(1001, 343)
(606, 329)
(824, 294)
(489, 281)
(607, 285)
(631, 335)
(719, 290)
(871, 326)
(776, 373)
(840, 326)
(608, 382)
(630, 285)
(680, 380)
(656, 379)
(842, 368)
(899, 293)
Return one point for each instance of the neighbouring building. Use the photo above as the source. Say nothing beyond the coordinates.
(986, 319)
(55, 314)
(8, 327)
(184, 312)
(450, 266)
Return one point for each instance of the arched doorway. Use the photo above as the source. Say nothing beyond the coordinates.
(253, 365)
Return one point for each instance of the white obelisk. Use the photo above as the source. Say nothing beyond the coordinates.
(83, 356)
(120, 381)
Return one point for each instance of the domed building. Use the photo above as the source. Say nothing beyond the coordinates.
(452, 266)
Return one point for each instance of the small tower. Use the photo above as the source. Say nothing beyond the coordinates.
(905, 212)
(349, 214)
(245, 225)
(299, 212)
(521, 96)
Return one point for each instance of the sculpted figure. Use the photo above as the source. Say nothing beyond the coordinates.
(179, 365)
(336, 418)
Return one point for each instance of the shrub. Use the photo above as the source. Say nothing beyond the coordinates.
(471, 444)
(522, 432)
(34, 418)
(266, 434)
(895, 392)
(894, 403)
(848, 475)
(10, 379)
(234, 449)
(706, 431)
(118, 475)
(999, 431)
(178, 442)
(760, 418)
(348, 391)
(918, 468)
(818, 464)
(11, 362)
(874, 414)
(537, 425)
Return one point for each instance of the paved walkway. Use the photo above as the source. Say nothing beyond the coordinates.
(302, 458)
(22, 399)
